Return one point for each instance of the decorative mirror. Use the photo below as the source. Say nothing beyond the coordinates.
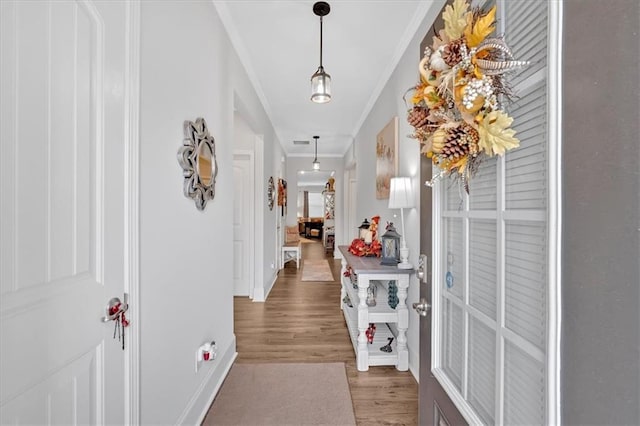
(197, 157)
(271, 193)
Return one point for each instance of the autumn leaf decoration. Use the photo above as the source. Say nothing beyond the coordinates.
(454, 108)
(454, 17)
(476, 32)
(495, 135)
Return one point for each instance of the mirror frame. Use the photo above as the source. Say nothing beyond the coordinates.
(196, 134)
(271, 193)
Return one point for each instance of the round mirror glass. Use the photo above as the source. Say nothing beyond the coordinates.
(205, 164)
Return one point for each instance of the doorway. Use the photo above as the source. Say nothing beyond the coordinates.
(243, 223)
(69, 218)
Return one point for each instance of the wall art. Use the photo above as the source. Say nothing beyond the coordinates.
(386, 158)
(197, 157)
(271, 193)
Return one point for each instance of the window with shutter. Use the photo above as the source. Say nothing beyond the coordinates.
(495, 287)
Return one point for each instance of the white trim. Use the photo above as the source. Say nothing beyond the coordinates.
(273, 282)
(465, 296)
(252, 216)
(436, 271)
(259, 187)
(450, 388)
(554, 226)
(501, 287)
(414, 364)
(245, 59)
(424, 9)
(262, 293)
(97, 88)
(132, 414)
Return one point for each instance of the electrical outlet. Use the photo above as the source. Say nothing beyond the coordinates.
(206, 352)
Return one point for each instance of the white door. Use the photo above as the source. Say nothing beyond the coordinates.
(243, 247)
(62, 213)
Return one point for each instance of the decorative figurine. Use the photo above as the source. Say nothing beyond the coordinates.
(387, 348)
(371, 295)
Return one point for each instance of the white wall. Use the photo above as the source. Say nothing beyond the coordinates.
(243, 135)
(186, 266)
(247, 106)
(388, 105)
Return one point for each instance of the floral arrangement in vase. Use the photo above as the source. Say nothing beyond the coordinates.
(455, 108)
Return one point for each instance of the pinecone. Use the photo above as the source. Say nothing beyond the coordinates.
(418, 117)
(459, 142)
(451, 54)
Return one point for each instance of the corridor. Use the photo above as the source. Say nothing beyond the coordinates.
(301, 322)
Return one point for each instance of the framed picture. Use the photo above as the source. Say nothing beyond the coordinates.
(386, 158)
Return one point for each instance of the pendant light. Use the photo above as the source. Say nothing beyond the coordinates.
(320, 80)
(316, 163)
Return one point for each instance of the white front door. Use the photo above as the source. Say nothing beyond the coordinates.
(63, 216)
(243, 247)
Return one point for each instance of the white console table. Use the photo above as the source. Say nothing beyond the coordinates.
(369, 270)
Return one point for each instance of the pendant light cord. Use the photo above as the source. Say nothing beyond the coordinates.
(321, 42)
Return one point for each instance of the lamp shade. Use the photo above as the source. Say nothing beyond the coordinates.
(320, 87)
(401, 193)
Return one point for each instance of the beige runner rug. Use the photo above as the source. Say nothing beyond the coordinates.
(283, 394)
(316, 270)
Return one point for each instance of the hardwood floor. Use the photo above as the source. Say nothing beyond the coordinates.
(302, 322)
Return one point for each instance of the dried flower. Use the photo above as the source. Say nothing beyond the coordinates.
(455, 111)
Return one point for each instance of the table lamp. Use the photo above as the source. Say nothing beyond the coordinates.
(401, 197)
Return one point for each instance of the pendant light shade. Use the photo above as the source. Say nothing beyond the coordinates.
(316, 163)
(320, 80)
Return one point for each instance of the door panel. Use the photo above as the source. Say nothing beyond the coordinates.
(62, 210)
(242, 223)
(435, 406)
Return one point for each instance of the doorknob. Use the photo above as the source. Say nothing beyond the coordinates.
(422, 307)
(422, 268)
(116, 307)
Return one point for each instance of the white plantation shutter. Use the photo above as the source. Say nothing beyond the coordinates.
(482, 266)
(482, 370)
(525, 281)
(453, 343)
(493, 328)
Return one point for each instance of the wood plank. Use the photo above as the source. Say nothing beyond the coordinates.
(302, 322)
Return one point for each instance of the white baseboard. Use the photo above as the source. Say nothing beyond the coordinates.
(258, 294)
(201, 400)
(268, 290)
(414, 364)
(261, 294)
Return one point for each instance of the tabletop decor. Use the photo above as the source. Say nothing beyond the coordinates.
(390, 246)
(368, 246)
(456, 107)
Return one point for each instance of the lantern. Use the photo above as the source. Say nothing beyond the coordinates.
(390, 246)
(363, 229)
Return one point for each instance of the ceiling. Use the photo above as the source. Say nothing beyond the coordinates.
(278, 43)
(314, 178)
